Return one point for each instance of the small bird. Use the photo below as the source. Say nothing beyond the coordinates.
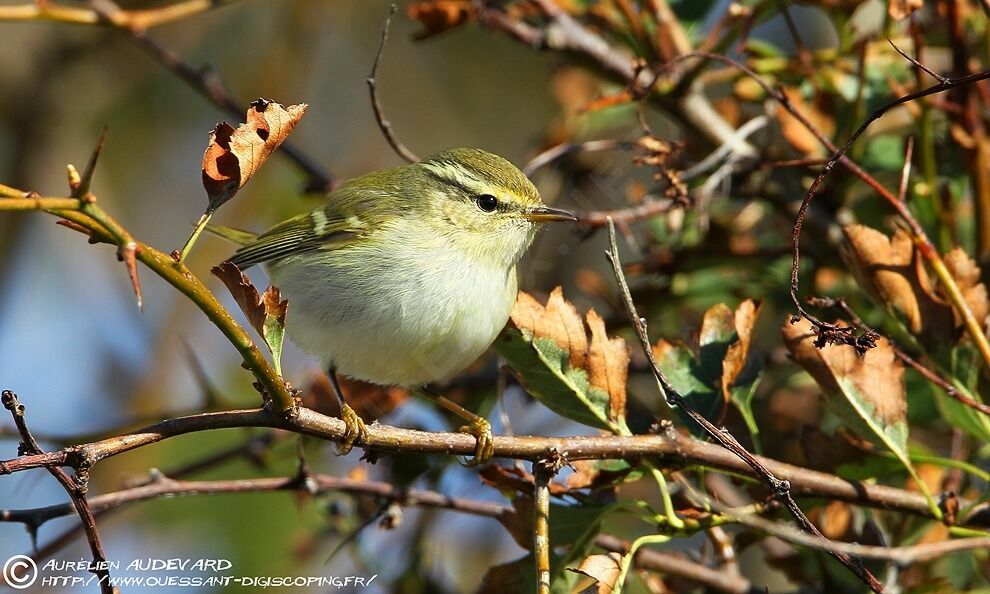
(406, 275)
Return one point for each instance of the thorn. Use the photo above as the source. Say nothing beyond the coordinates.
(128, 254)
(75, 227)
(82, 190)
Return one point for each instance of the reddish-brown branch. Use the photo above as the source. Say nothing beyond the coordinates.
(74, 487)
(322, 483)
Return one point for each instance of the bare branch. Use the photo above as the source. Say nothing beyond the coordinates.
(383, 123)
(669, 449)
(75, 487)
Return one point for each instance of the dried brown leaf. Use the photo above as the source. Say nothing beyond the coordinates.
(584, 475)
(735, 358)
(876, 378)
(604, 569)
(795, 133)
(559, 321)
(438, 16)
(256, 307)
(623, 97)
(834, 519)
(608, 365)
(901, 9)
(566, 327)
(967, 275)
(512, 479)
(233, 156)
(892, 270)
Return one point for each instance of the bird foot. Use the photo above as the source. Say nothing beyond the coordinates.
(356, 430)
(481, 429)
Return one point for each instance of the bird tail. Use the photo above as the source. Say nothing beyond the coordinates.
(238, 236)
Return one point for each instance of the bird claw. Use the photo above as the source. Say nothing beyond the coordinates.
(481, 429)
(356, 430)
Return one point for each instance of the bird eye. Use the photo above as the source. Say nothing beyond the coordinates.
(487, 202)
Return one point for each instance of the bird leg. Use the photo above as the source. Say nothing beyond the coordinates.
(356, 429)
(477, 426)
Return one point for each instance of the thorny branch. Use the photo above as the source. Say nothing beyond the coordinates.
(780, 489)
(102, 228)
(159, 485)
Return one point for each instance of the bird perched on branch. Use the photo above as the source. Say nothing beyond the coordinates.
(406, 275)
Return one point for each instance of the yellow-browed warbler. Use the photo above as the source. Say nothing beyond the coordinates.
(406, 275)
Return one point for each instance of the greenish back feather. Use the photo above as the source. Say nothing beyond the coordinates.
(368, 202)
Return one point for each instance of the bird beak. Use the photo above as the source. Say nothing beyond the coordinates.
(545, 214)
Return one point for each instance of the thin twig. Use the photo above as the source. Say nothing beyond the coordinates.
(383, 123)
(917, 64)
(780, 489)
(560, 151)
(74, 487)
(102, 228)
(648, 209)
(902, 556)
(906, 170)
(39, 203)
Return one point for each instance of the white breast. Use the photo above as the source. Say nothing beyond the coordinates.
(405, 315)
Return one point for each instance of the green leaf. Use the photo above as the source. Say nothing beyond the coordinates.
(543, 368)
(687, 376)
(965, 364)
(742, 399)
(274, 335)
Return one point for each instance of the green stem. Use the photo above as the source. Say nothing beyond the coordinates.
(197, 230)
(967, 532)
(38, 203)
(668, 505)
(628, 557)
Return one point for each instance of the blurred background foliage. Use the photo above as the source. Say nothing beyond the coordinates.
(86, 362)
